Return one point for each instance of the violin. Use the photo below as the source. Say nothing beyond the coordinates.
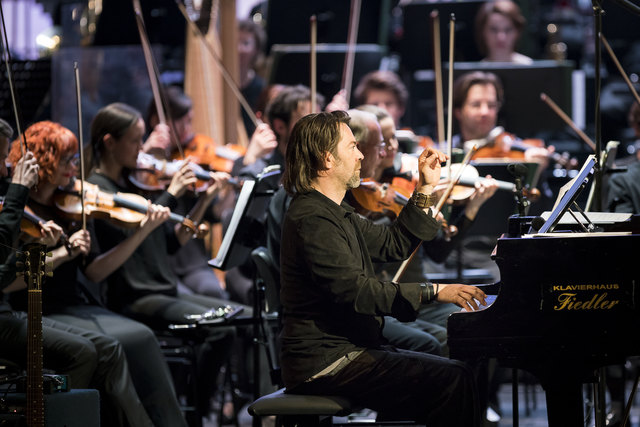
(153, 174)
(124, 209)
(31, 225)
(465, 187)
(504, 145)
(205, 152)
(386, 199)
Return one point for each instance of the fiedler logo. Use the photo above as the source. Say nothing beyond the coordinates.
(585, 297)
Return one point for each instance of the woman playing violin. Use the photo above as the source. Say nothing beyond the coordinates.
(145, 285)
(64, 296)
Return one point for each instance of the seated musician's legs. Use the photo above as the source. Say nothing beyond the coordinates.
(203, 281)
(148, 369)
(64, 352)
(242, 357)
(411, 336)
(425, 388)
(89, 359)
(437, 313)
(239, 285)
(217, 342)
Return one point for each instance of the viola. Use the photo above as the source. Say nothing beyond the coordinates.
(205, 152)
(124, 209)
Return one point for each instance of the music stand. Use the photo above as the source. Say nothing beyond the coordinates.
(244, 234)
(247, 221)
(567, 197)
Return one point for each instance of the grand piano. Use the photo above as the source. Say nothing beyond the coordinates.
(566, 304)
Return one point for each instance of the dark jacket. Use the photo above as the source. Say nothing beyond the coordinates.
(332, 301)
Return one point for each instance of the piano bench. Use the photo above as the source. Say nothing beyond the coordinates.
(300, 410)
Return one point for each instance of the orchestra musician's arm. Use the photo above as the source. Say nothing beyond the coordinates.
(159, 141)
(108, 262)
(338, 102)
(262, 143)
(25, 176)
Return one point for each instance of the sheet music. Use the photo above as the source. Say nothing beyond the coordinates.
(238, 212)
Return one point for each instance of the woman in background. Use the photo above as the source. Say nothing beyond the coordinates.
(499, 25)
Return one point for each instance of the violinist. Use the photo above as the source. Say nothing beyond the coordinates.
(477, 98)
(88, 358)
(202, 149)
(145, 286)
(282, 112)
(69, 300)
(190, 261)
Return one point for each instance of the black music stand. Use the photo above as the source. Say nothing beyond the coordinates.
(290, 64)
(567, 198)
(247, 223)
(244, 234)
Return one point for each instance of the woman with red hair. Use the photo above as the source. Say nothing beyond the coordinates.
(66, 297)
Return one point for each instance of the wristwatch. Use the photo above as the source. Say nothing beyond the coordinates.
(422, 200)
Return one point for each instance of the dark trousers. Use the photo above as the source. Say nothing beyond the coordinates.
(405, 385)
(90, 358)
(149, 371)
(216, 344)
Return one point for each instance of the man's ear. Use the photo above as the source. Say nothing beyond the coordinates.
(329, 161)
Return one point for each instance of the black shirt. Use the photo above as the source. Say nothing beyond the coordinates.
(333, 303)
(12, 208)
(147, 270)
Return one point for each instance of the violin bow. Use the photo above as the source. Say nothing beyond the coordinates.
(80, 145)
(313, 23)
(350, 55)
(216, 59)
(154, 75)
(16, 107)
(452, 29)
(437, 68)
(545, 98)
(443, 199)
(606, 45)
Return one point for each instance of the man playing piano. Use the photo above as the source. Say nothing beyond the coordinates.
(332, 301)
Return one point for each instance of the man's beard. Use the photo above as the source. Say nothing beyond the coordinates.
(354, 181)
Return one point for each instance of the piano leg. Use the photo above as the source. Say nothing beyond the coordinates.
(565, 403)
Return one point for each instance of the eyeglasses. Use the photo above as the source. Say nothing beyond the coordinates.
(73, 160)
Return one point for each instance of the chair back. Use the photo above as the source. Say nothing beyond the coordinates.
(267, 272)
